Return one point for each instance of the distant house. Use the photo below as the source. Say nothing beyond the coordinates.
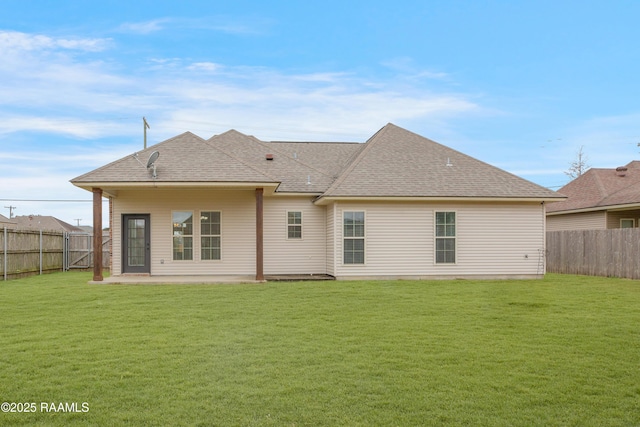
(44, 222)
(6, 222)
(397, 206)
(599, 199)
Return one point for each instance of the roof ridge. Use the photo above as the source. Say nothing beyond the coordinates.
(264, 144)
(352, 165)
(212, 145)
(63, 223)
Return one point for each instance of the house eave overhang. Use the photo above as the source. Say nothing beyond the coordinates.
(111, 188)
(324, 200)
(296, 194)
(609, 208)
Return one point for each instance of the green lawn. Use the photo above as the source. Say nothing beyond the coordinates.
(560, 351)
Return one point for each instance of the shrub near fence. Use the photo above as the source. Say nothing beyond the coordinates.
(28, 252)
(607, 253)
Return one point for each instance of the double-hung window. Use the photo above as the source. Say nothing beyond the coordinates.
(294, 225)
(353, 237)
(445, 237)
(182, 235)
(210, 235)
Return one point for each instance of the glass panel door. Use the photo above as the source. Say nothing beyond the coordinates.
(136, 248)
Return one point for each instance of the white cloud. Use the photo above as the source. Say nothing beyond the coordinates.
(222, 24)
(12, 41)
(406, 67)
(145, 27)
(204, 66)
(174, 94)
(74, 127)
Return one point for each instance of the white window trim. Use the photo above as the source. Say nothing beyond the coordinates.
(435, 238)
(633, 221)
(209, 235)
(294, 239)
(353, 238)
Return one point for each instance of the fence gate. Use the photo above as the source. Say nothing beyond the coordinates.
(79, 248)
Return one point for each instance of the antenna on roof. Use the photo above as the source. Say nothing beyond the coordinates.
(151, 163)
(145, 126)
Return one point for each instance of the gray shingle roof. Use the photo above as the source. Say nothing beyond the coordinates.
(396, 162)
(393, 163)
(183, 158)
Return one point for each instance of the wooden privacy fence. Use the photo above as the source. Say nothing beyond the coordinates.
(29, 252)
(607, 253)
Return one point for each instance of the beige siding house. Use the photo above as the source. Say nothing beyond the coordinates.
(599, 199)
(396, 206)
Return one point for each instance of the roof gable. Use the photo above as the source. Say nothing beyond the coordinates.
(184, 158)
(399, 163)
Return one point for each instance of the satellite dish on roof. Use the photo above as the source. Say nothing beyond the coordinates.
(152, 159)
(151, 163)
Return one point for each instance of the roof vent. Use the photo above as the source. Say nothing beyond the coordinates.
(621, 170)
(269, 156)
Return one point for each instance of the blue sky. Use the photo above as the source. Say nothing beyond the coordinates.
(521, 85)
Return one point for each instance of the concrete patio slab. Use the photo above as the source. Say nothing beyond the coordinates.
(172, 280)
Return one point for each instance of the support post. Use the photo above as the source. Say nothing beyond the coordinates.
(111, 234)
(259, 234)
(97, 234)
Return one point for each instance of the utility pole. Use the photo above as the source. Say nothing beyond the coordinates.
(78, 219)
(145, 126)
(11, 208)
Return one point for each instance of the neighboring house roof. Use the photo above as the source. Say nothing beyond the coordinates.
(601, 188)
(42, 222)
(6, 222)
(392, 163)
